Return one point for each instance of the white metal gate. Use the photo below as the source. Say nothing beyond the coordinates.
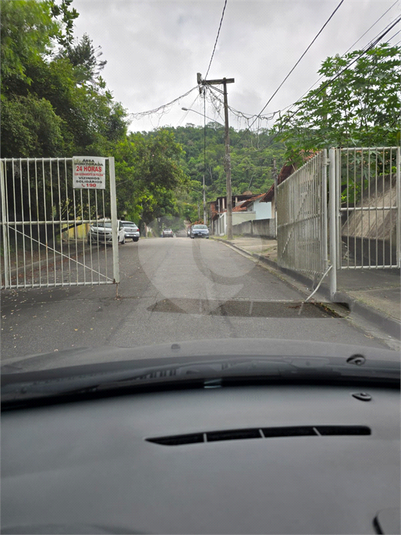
(46, 225)
(367, 182)
(302, 219)
(361, 228)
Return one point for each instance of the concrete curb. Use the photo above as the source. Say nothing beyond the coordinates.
(380, 320)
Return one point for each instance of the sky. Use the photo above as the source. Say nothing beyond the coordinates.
(155, 48)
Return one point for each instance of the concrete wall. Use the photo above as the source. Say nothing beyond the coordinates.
(220, 224)
(259, 227)
(262, 209)
(240, 217)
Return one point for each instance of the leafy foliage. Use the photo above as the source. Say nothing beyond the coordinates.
(149, 175)
(251, 157)
(55, 104)
(357, 104)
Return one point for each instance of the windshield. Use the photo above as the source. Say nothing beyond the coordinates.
(208, 124)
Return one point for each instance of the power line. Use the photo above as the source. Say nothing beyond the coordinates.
(374, 24)
(321, 77)
(217, 38)
(368, 47)
(241, 115)
(282, 83)
(324, 86)
(161, 108)
(186, 113)
(392, 37)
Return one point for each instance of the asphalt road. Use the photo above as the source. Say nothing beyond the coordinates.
(171, 290)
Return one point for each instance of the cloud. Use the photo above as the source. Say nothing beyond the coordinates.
(154, 48)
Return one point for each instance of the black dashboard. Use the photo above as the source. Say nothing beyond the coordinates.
(258, 459)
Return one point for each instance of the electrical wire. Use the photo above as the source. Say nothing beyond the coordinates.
(239, 114)
(188, 109)
(368, 47)
(374, 24)
(392, 37)
(139, 115)
(217, 38)
(297, 63)
(321, 77)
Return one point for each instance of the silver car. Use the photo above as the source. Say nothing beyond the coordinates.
(199, 231)
(167, 233)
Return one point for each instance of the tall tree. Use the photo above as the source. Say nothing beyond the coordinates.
(149, 175)
(357, 104)
(85, 59)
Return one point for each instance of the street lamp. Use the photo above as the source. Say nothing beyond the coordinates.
(210, 119)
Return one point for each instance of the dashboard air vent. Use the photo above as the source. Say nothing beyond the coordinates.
(262, 432)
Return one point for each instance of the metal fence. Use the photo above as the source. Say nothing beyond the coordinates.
(368, 207)
(46, 222)
(357, 218)
(302, 219)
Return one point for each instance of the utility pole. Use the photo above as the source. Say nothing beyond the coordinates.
(227, 162)
(275, 177)
(204, 156)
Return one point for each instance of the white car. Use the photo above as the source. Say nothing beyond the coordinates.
(131, 230)
(100, 232)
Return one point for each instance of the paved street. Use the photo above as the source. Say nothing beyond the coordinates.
(171, 290)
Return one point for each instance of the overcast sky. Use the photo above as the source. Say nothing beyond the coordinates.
(154, 49)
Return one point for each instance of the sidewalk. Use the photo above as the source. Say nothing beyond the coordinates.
(372, 293)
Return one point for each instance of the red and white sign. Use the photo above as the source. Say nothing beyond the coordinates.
(89, 172)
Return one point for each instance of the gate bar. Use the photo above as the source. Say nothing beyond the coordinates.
(333, 222)
(4, 214)
(113, 210)
(398, 226)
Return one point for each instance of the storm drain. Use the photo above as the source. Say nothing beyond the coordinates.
(245, 308)
(262, 432)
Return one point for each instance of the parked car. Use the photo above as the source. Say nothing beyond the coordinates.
(100, 232)
(167, 233)
(130, 230)
(199, 231)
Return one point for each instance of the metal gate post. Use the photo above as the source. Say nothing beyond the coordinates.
(325, 236)
(398, 227)
(333, 222)
(113, 213)
(4, 218)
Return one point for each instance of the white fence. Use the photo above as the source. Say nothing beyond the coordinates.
(367, 207)
(354, 223)
(45, 226)
(302, 219)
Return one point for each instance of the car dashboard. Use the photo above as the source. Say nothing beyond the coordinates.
(241, 459)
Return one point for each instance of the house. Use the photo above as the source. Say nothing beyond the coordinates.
(218, 212)
(269, 197)
(254, 205)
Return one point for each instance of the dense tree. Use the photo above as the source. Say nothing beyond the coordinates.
(52, 104)
(357, 104)
(27, 29)
(55, 104)
(85, 59)
(251, 153)
(149, 175)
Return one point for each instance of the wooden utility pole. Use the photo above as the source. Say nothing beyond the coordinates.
(275, 177)
(227, 163)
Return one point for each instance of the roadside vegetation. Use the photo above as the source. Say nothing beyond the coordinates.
(55, 103)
